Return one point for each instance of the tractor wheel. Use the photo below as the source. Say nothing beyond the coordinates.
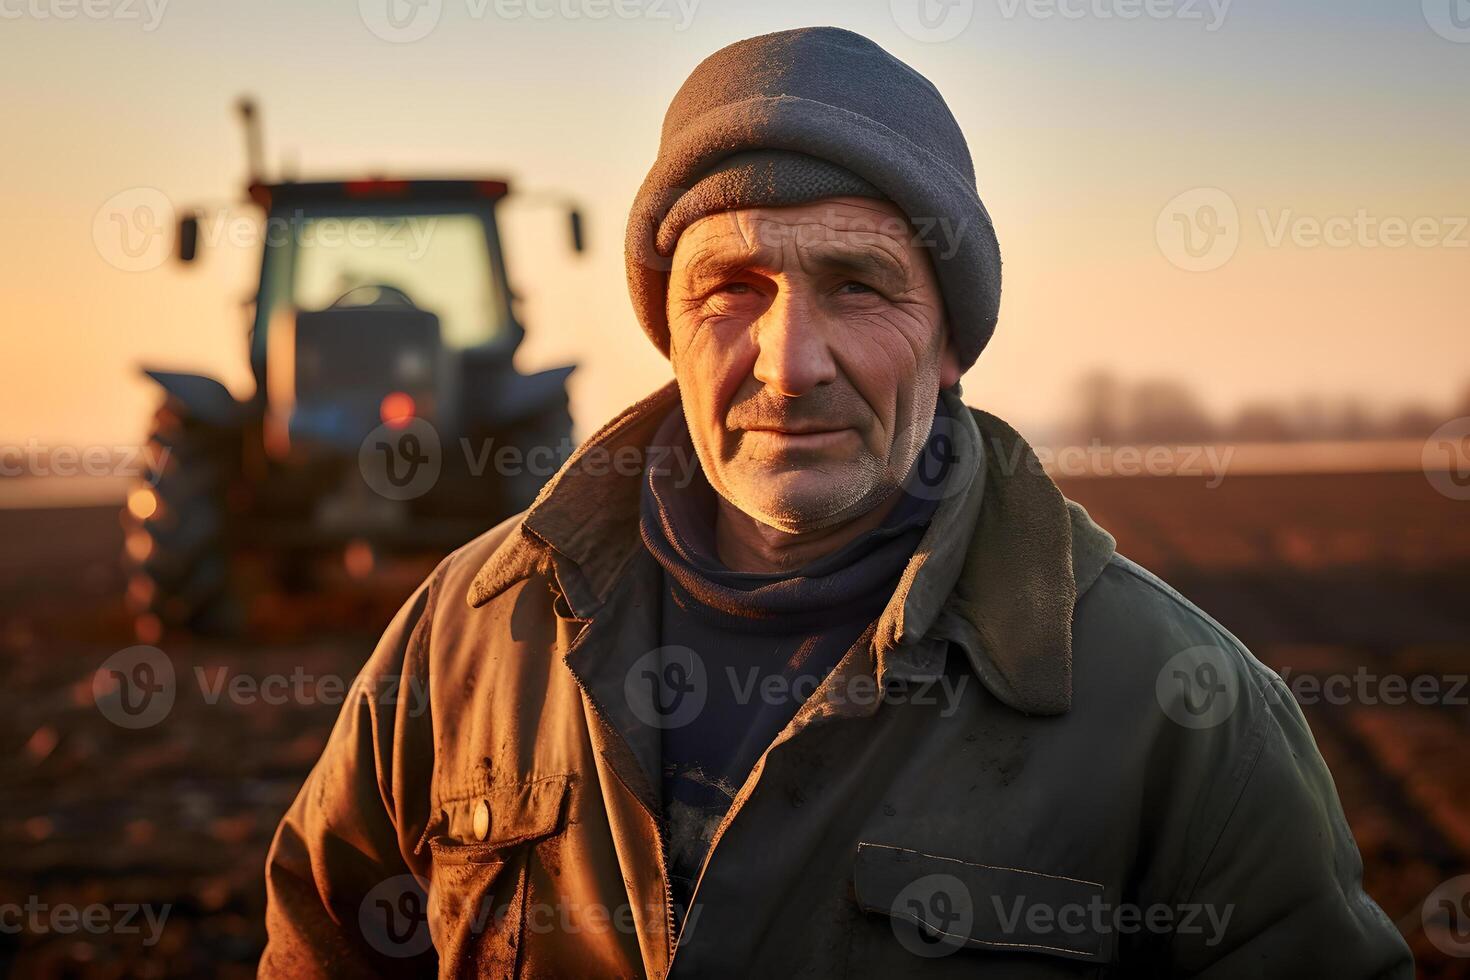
(177, 527)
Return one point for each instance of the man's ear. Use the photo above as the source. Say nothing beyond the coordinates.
(949, 364)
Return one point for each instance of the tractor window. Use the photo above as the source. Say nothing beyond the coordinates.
(439, 262)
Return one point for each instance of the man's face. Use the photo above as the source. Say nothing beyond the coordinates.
(809, 344)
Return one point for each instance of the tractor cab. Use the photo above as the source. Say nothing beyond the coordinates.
(379, 300)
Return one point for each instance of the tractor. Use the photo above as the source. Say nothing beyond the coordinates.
(387, 415)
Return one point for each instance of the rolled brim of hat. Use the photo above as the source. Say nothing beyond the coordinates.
(758, 179)
(883, 129)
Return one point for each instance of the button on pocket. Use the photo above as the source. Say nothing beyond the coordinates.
(482, 820)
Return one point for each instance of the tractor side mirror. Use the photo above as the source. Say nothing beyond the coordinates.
(188, 243)
(575, 217)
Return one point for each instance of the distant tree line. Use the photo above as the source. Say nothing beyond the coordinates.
(1163, 411)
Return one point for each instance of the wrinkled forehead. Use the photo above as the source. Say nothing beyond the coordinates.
(858, 233)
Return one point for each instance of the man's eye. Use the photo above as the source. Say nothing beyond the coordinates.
(735, 289)
(853, 287)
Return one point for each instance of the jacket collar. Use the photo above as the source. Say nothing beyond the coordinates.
(998, 580)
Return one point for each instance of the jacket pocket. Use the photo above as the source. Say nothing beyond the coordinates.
(480, 866)
(936, 906)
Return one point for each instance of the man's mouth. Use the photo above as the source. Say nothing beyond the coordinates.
(803, 436)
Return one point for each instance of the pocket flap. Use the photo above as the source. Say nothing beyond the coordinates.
(477, 826)
(984, 906)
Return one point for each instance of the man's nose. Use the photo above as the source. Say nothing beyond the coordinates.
(794, 357)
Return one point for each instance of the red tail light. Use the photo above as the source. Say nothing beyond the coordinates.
(397, 409)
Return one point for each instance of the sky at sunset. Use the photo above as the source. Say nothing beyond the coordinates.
(1099, 139)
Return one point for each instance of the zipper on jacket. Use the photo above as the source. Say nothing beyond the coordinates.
(670, 945)
(805, 718)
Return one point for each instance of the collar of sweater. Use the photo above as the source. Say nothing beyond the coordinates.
(851, 584)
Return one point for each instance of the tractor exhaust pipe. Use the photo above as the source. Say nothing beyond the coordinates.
(254, 149)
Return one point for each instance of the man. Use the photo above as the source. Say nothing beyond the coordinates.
(859, 694)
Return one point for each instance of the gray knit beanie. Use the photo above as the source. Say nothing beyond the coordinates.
(802, 115)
